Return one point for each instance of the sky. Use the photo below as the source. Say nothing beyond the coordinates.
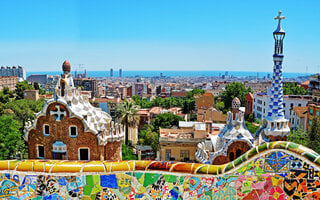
(158, 34)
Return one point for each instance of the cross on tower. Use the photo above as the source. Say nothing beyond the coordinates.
(59, 113)
(279, 17)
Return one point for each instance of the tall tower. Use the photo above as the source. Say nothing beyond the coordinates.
(275, 126)
(111, 72)
(120, 72)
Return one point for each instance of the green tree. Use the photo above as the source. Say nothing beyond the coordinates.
(252, 128)
(250, 117)
(21, 87)
(127, 153)
(37, 86)
(4, 98)
(2, 107)
(299, 136)
(314, 135)
(6, 95)
(187, 104)
(152, 139)
(7, 91)
(11, 137)
(292, 88)
(24, 109)
(166, 120)
(195, 91)
(233, 90)
(220, 105)
(136, 98)
(149, 136)
(127, 115)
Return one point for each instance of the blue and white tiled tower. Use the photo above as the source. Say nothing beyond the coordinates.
(275, 126)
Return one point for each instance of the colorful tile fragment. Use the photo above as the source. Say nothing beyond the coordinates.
(276, 174)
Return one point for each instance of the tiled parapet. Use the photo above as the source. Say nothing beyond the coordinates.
(278, 170)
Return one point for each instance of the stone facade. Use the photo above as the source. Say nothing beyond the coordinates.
(113, 151)
(59, 131)
(70, 128)
(205, 101)
(31, 95)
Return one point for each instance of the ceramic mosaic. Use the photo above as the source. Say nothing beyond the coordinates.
(279, 170)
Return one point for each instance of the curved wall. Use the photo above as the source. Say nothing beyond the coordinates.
(278, 170)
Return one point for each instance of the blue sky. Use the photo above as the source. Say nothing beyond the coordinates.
(158, 34)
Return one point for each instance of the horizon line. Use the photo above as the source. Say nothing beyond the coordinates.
(173, 71)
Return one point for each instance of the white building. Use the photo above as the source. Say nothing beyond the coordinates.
(261, 104)
(19, 72)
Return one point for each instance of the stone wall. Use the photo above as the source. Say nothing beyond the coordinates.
(278, 170)
(113, 151)
(59, 131)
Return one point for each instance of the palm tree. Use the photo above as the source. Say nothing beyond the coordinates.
(127, 115)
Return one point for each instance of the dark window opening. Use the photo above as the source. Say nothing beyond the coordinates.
(84, 154)
(73, 131)
(231, 156)
(238, 153)
(40, 151)
(46, 129)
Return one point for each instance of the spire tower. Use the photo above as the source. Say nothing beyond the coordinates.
(275, 126)
(276, 100)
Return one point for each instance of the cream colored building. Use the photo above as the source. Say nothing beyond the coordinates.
(8, 81)
(181, 144)
(31, 94)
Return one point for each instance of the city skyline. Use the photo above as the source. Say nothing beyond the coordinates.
(149, 35)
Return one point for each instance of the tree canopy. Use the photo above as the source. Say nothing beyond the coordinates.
(149, 135)
(309, 139)
(194, 92)
(233, 90)
(24, 109)
(11, 137)
(292, 88)
(127, 115)
(127, 153)
(21, 87)
(219, 105)
(6, 95)
(166, 120)
(37, 86)
(252, 128)
(187, 104)
(299, 136)
(314, 135)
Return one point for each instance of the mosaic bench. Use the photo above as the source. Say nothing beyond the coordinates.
(277, 170)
